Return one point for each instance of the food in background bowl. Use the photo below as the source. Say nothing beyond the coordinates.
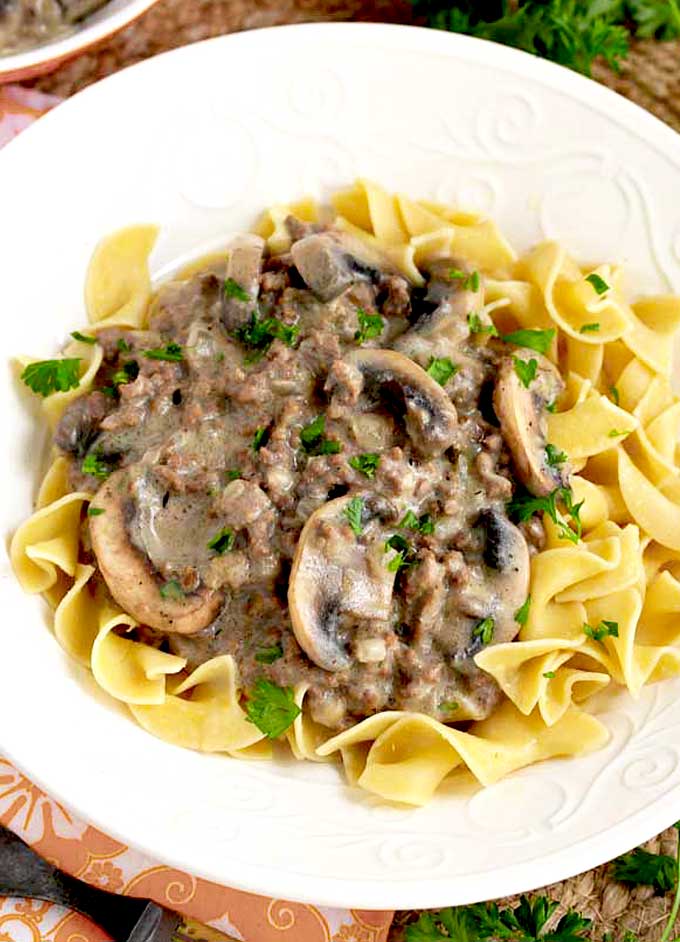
(365, 481)
(27, 23)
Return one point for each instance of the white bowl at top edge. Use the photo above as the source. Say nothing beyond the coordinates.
(199, 140)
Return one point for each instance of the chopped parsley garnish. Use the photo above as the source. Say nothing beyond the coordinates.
(640, 868)
(96, 466)
(232, 289)
(554, 456)
(268, 655)
(522, 613)
(523, 506)
(589, 328)
(172, 590)
(123, 345)
(526, 370)
(477, 326)
(260, 333)
(94, 511)
(468, 282)
(314, 440)
(366, 464)
(271, 708)
(83, 338)
(449, 706)
(404, 554)
(423, 524)
(223, 541)
(533, 339)
(171, 351)
(441, 369)
(617, 433)
(484, 630)
(605, 629)
(614, 393)
(599, 284)
(551, 406)
(550, 675)
(353, 513)
(260, 438)
(49, 376)
(370, 326)
(127, 374)
(233, 474)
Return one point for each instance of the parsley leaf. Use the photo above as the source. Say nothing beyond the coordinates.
(523, 506)
(260, 438)
(617, 433)
(171, 590)
(126, 374)
(550, 675)
(123, 345)
(468, 282)
(554, 456)
(589, 328)
(605, 629)
(171, 352)
(223, 541)
(598, 283)
(96, 466)
(353, 513)
(640, 868)
(526, 370)
(614, 393)
(370, 326)
(449, 706)
(522, 613)
(233, 474)
(258, 334)
(423, 524)
(484, 630)
(49, 376)
(552, 406)
(232, 289)
(268, 655)
(533, 339)
(477, 326)
(314, 440)
(441, 369)
(271, 708)
(83, 338)
(366, 464)
(404, 554)
(94, 511)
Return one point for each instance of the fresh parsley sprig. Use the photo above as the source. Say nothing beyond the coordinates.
(523, 506)
(353, 514)
(370, 326)
(172, 352)
(366, 464)
(271, 708)
(45, 377)
(441, 369)
(259, 333)
(314, 441)
(531, 338)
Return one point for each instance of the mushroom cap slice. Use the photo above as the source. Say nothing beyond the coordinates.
(244, 267)
(506, 556)
(430, 416)
(129, 576)
(330, 263)
(522, 416)
(336, 574)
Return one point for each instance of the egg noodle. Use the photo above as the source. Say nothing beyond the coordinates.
(618, 423)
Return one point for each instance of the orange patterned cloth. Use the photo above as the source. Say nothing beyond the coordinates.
(92, 856)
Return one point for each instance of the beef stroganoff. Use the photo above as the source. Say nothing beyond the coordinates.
(365, 482)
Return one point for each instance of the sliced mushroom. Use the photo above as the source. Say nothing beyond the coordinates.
(243, 268)
(80, 422)
(430, 416)
(442, 326)
(337, 577)
(128, 573)
(506, 556)
(521, 412)
(329, 264)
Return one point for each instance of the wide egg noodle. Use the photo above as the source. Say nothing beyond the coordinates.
(210, 719)
(118, 284)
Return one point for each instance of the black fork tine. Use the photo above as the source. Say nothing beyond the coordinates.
(24, 873)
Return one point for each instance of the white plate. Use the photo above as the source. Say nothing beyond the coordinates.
(198, 140)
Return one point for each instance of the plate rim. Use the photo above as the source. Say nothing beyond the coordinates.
(426, 892)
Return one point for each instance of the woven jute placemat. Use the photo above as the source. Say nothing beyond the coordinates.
(650, 77)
